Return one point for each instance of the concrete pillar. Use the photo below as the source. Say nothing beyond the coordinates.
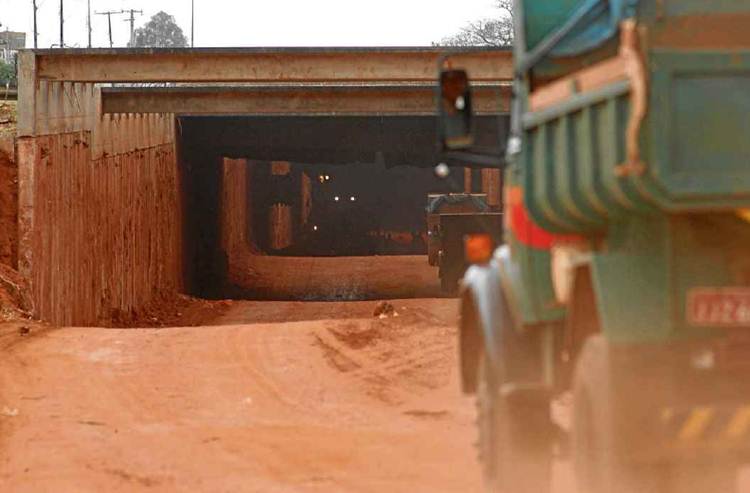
(234, 196)
(280, 226)
(27, 93)
(28, 155)
(306, 203)
(491, 185)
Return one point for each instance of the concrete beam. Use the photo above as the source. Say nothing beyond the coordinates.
(295, 100)
(269, 64)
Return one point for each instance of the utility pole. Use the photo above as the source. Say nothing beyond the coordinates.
(36, 34)
(62, 35)
(192, 23)
(109, 14)
(132, 13)
(88, 19)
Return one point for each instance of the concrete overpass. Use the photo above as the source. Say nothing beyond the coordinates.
(296, 99)
(103, 170)
(274, 65)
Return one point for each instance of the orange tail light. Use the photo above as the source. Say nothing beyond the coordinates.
(478, 248)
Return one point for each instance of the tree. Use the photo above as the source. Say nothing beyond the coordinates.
(485, 32)
(161, 31)
(7, 74)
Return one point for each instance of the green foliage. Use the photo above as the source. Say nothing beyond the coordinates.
(161, 31)
(7, 73)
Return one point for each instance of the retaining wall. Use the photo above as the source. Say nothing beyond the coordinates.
(100, 215)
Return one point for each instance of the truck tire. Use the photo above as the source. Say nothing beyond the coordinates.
(598, 468)
(449, 285)
(514, 444)
(697, 478)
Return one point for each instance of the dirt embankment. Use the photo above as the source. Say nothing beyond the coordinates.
(171, 311)
(7, 118)
(15, 302)
(8, 202)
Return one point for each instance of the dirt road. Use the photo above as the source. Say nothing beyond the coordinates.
(327, 403)
(335, 278)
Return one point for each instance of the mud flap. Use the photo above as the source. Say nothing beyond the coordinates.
(515, 355)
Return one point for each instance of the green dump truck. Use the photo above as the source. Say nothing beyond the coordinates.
(624, 281)
(450, 217)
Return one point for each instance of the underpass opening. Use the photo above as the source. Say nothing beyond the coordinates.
(120, 170)
(359, 209)
(312, 208)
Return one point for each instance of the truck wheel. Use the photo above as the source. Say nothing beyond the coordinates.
(514, 443)
(598, 468)
(698, 478)
(449, 285)
(598, 465)
(597, 472)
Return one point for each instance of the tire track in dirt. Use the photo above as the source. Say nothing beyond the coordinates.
(392, 358)
(238, 408)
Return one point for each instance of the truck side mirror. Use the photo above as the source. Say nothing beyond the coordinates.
(455, 110)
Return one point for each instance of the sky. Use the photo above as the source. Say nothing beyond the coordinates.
(256, 23)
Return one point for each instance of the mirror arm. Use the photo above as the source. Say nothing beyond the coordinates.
(476, 157)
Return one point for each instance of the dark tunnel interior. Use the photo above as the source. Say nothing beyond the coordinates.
(368, 178)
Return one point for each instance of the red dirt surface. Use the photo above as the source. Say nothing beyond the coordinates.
(336, 278)
(265, 397)
(172, 311)
(353, 404)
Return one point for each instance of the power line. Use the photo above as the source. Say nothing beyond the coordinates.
(62, 35)
(36, 34)
(132, 13)
(88, 19)
(109, 14)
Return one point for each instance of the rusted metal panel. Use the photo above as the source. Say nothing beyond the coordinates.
(269, 64)
(98, 237)
(378, 99)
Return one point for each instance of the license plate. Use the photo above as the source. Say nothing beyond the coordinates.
(726, 307)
